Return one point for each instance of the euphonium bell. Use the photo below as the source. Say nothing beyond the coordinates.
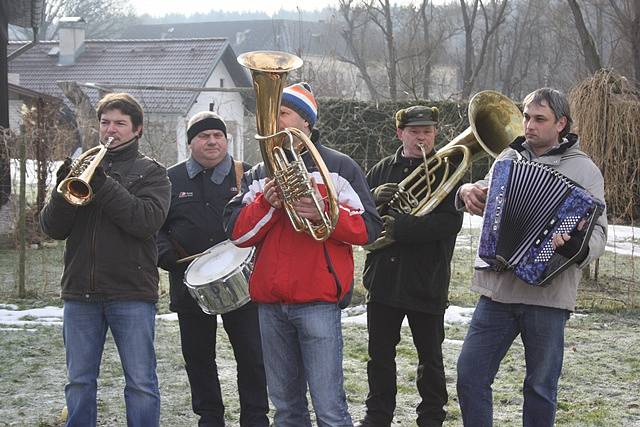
(269, 72)
(494, 122)
(76, 187)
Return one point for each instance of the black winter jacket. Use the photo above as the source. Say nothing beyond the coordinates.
(194, 224)
(413, 273)
(110, 253)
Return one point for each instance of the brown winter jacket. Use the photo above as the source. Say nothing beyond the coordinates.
(110, 253)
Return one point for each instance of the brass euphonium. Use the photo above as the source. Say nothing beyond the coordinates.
(76, 187)
(494, 122)
(269, 72)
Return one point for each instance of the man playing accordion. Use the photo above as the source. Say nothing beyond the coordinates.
(508, 306)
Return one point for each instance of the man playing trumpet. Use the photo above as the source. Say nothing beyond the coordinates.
(409, 278)
(110, 278)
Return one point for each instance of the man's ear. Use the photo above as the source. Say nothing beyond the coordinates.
(561, 123)
(399, 133)
(138, 132)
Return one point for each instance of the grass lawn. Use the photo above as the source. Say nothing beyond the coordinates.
(599, 384)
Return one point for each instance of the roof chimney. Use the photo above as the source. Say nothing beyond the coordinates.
(71, 35)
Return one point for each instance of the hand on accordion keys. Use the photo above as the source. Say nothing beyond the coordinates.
(568, 244)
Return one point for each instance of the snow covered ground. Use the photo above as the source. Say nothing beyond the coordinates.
(13, 319)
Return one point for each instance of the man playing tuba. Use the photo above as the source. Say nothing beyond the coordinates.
(409, 278)
(299, 282)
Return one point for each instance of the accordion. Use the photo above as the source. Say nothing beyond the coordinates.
(527, 203)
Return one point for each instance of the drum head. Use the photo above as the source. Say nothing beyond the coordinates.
(222, 260)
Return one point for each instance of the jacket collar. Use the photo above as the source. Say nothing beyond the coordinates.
(399, 159)
(125, 151)
(520, 145)
(220, 171)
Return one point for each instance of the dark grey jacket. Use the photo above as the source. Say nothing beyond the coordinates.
(110, 253)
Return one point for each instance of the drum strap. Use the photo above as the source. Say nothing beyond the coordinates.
(239, 172)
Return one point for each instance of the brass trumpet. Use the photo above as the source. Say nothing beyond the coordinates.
(494, 122)
(75, 188)
(269, 72)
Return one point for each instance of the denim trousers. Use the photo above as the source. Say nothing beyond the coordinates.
(132, 324)
(302, 345)
(384, 325)
(198, 339)
(493, 329)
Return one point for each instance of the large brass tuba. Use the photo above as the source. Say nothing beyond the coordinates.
(494, 122)
(269, 72)
(75, 188)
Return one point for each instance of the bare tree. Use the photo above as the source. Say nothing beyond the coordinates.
(473, 62)
(104, 17)
(380, 14)
(591, 56)
(627, 14)
(354, 35)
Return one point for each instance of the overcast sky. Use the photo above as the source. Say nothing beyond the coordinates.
(189, 7)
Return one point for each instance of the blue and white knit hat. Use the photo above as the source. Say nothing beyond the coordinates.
(300, 99)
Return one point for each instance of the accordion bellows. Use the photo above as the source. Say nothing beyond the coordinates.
(527, 203)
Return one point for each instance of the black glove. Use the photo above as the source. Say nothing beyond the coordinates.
(63, 171)
(572, 246)
(98, 179)
(383, 193)
(167, 261)
(389, 224)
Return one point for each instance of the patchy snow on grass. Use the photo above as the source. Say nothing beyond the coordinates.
(10, 315)
(33, 316)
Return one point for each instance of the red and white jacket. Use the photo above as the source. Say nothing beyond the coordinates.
(291, 267)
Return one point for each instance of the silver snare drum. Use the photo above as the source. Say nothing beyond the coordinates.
(218, 280)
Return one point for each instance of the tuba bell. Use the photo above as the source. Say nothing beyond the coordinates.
(269, 71)
(75, 188)
(494, 122)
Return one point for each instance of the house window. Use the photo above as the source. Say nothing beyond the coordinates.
(221, 82)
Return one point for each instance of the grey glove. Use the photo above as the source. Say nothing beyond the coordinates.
(384, 193)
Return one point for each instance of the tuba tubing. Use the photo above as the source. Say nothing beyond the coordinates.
(76, 187)
(269, 70)
(494, 122)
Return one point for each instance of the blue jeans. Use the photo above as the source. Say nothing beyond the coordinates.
(302, 344)
(493, 329)
(132, 325)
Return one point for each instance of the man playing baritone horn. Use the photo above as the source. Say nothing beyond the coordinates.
(409, 278)
(508, 306)
(200, 188)
(110, 278)
(299, 283)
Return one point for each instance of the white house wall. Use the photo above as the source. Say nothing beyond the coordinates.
(228, 105)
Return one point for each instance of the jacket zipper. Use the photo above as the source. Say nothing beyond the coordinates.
(92, 283)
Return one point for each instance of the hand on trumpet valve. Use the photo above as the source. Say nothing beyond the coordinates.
(384, 193)
(271, 192)
(63, 171)
(306, 207)
(98, 179)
